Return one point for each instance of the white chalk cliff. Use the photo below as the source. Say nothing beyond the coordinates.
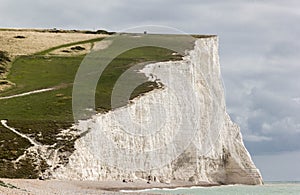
(178, 132)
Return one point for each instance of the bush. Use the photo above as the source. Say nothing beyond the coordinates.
(103, 32)
(99, 32)
(19, 37)
(4, 57)
(3, 82)
(78, 48)
(2, 69)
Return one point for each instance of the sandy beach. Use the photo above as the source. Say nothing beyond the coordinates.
(49, 187)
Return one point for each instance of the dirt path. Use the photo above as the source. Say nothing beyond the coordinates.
(61, 86)
(4, 123)
(33, 42)
(28, 93)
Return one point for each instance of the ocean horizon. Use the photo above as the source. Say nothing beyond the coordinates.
(269, 187)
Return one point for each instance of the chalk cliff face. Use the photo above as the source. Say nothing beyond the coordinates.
(178, 132)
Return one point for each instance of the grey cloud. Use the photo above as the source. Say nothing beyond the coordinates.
(277, 145)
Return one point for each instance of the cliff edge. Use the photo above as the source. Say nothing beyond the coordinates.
(180, 131)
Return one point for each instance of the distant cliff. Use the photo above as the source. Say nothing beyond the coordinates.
(191, 106)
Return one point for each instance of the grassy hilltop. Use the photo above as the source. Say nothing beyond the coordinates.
(42, 116)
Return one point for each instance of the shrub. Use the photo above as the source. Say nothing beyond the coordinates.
(3, 82)
(78, 48)
(19, 37)
(4, 57)
(2, 69)
(99, 32)
(104, 32)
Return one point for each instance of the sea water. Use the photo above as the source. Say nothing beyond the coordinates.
(267, 188)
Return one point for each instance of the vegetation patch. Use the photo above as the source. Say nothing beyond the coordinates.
(19, 37)
(4, 60)
(4, 57)
(99, 32)
(77, 48)
(3, 82)
(2, 70)
(123, 62)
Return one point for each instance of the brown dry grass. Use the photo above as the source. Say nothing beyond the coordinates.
(38, 41)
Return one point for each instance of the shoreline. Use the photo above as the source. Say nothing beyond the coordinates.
(64, 187)
(157, 186)
(35, 186)
(171, 188)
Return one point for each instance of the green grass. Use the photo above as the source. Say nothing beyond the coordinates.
(44, 115)
(119, 65)
(38, 72)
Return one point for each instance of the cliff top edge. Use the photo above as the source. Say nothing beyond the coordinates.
(100, 31)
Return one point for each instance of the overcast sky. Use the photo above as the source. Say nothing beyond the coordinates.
(259, 53)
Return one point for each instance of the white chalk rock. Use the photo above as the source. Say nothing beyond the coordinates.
(178, 132)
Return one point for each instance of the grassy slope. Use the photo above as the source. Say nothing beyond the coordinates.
(44, 115)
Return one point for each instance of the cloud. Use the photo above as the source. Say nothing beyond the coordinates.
(297, 100)
(256, 138)
(260, 69)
